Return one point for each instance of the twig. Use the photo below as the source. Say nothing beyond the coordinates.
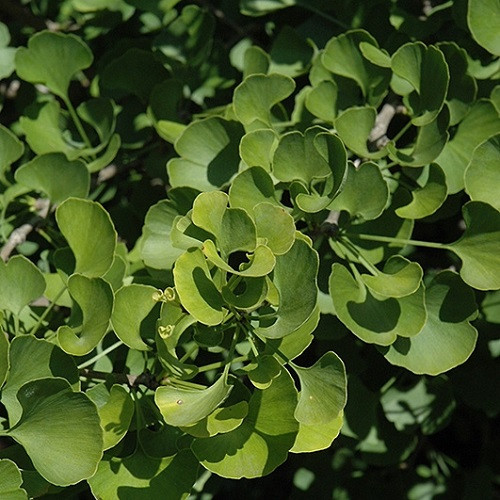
(378, 135)
(20, 234)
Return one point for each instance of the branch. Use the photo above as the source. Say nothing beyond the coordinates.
(378, 135)
(20, 234)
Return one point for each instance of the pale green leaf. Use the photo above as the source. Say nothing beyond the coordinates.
(12, 479)
(483, 18)
(317, 437)
(11, 149)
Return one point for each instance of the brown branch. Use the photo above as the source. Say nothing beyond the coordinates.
(20, 234)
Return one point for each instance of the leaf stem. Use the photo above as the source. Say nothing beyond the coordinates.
(401, 132)
(221, 364)
(78, 124)
(397, 241)
(47, 311)
(352, 248)
(100, 355)
(189, 351)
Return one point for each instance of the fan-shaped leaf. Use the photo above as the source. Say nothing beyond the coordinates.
(478, 247)
(10, 487)
(482, 176)
(323, 390)
(94, 297)
(374, 318)
(56, 176)
(59, 430)
(185, 407)
(295, 279)
(11, 149)
(317, 437)
(257, 148)
(447, 338)
(132, 305)
(52, 59)
(483, 18)
(89, 231)
(275, 227)
(261, 442)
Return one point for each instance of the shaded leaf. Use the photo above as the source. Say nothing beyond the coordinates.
(11, 149)
(12, 479)
(4, 355)
(325, 92)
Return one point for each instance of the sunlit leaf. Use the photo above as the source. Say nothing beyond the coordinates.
(115, 408)
(295, 278)
(275, 227)
(478, 246)
(325, 92)
(132, 305)
(317, 437)
(59, 430)
(483, 18)
(323, 390)
(56, 176)
(261, 442)
(374, 318)
(94, 297)
(21, 282)
(184, 407)
(257, 148)
(430, 194)
(482, 176)
(89, 231)
(52, 59)
(51, 362)
(10, 487)
(447, 338)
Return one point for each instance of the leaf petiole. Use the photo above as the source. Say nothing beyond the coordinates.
(397, 241)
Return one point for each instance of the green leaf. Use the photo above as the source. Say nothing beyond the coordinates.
(295, 279)
(157, 250)
(185, 407)
(297, 159)
(481, 123)
(257, 148)
(477, 248)
(430, 194)
(208, 211)
(263, 371)
(115, 408)
(196, 289)
(52, 59)
(4, 355)
(290, 53)
(375, 319)
(482, 176)
(317, 437)
(399, 279)
(325, 92)
(255, 61)
(366, 179)
(11, 149)
(447, 338)
(12, 479)
(43, 131)
(140, 476)
(133, 303)
(250, 187)
(125, 74)
(89, 231)
(257, 94)
(21, 281)
(427, 404)
(354, 126)
(51, 361)
(323, 390)
(261, 261)
(59, 430)
(261, 442)
(88, 326)
(425, 69)
(209, 154)
(483, 18)
(56, 176)
(100, 114)
(430, 141)
(7, 54)
(263, 7)
(275, 227)
(343, 56)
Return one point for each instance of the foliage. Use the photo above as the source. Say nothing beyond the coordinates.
(246, 232)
